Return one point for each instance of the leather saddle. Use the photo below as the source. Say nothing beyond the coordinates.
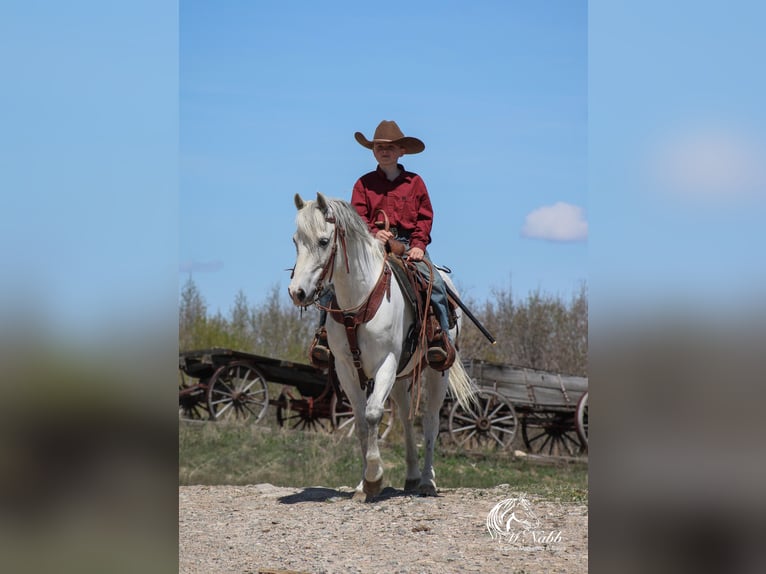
(415, 287)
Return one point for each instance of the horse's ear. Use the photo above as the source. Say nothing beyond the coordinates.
(299, 203)
(322, 203)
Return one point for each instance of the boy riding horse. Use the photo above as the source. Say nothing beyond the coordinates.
(403, 197)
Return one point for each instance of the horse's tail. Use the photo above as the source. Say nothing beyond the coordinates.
(461, 385)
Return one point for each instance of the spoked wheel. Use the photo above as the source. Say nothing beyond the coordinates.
(191, 399)
(550, 433)
(581, 416)
(237, 391)
(491, 422)
(343, 417)
(296, 412)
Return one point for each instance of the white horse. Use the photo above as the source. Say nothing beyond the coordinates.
(335, 247)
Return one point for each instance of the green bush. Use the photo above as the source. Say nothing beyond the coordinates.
(541, 332)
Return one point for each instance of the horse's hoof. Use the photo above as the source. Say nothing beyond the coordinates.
(426, 490)
(373, 488)
(411, 484)
(359, 496)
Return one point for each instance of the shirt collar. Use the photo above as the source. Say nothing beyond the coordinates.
(401, 175)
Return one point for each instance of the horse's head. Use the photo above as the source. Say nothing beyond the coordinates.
(521, 514)
(315, 245)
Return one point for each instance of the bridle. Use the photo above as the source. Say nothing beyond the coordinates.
(339, 234)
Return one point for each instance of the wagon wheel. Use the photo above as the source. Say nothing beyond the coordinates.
(581, 414)
(489, 422)
(343, 417)
(551, 433)
(237, 391)
(296, 412)
(191, 400)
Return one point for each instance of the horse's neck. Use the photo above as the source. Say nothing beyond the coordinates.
(354, 286)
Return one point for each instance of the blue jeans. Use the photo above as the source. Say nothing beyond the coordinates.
(438, 294)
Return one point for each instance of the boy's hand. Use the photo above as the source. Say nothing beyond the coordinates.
(415, 254)
(384, 236)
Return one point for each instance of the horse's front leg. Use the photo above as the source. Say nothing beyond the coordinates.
(349, 381)
(401, 395)
(436, 390)
(384, 381)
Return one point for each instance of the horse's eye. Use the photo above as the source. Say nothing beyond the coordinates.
(324, 242)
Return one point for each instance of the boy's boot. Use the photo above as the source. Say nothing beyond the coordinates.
(441, 351)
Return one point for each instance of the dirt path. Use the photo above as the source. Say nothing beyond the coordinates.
(263, 528)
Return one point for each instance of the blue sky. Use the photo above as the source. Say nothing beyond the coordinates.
(677, 156)
(271, 96)
(89, 166)
(125, 155)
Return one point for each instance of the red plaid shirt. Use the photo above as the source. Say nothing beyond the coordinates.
(405, 200)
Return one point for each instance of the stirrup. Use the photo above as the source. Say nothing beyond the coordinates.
(441, 352)
(319, 351)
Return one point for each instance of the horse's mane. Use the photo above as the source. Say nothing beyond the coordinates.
(346, 218)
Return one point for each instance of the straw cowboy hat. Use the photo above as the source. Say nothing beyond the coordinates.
(389, 132)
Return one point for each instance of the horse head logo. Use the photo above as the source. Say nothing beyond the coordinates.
(510, 515)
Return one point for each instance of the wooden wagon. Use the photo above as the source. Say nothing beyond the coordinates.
(550, 409)
(218, 383)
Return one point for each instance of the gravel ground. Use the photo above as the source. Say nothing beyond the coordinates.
(264, 528)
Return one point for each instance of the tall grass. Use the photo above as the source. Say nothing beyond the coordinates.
(237, 453)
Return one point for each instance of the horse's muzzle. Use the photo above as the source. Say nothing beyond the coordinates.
(300, 297)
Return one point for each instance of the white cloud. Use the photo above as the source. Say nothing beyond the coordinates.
(558, 222)
(710, 162)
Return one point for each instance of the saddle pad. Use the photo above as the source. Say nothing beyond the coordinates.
(403, 278)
